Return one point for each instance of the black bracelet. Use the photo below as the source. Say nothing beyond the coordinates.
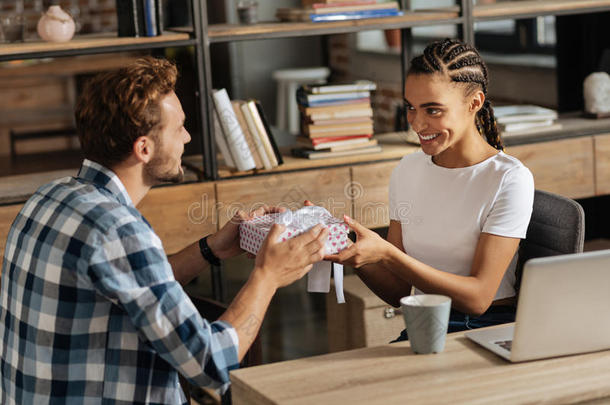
(207, 253)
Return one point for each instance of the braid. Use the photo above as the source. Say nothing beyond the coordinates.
(462, 64)
(487, 123)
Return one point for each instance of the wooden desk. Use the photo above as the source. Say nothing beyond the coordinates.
(391, 374)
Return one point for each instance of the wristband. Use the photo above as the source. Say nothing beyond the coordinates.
(207, 253)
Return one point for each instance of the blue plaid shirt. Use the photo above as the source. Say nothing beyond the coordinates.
(90, 311)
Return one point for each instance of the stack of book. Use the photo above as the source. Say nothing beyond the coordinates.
(243, 135)
(336, 120)
(517, 120)
(338, 10)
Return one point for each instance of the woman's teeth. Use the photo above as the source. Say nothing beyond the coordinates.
(428, 137)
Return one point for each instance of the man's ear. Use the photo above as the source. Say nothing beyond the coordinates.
(476, 102)
(143, 148)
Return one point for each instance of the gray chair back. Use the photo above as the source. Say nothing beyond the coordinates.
(557, 227)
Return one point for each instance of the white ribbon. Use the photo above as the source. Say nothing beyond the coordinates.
(318, 279)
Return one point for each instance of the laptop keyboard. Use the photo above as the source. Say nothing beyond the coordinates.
(505, 344)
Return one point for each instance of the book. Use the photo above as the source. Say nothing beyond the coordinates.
(355, 15)
(521, 113)
(531, 131)
(160, 16)
(267, 127)
(221, 142)
(235, 137)
(150, 18)
(250, 110)
(306, 99)
(337, 121)
(338, 3)
(336, 130)
(249, 138)
(315, 154)
(127, 18)
(333, 3)
(520, 126)
(309, 143)
(357, 86)
(256, 137)
(353, 8)
(338, 148)
(338, 111)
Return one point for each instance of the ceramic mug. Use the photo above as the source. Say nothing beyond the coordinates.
(426, 319)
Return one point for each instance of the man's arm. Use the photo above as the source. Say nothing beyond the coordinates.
(189, 263)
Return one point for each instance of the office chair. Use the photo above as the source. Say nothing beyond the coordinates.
(557, 227)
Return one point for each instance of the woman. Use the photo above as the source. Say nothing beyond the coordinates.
(459, 207)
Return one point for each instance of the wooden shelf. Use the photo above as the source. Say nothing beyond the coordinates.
(95, 43)
(393, 146)
(573, 125)
(232, 32)
(533, 8)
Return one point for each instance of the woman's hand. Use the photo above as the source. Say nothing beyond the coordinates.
(369, 247)
(225, 242)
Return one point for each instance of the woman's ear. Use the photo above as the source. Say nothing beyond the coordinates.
(477, 101)
(143, 149)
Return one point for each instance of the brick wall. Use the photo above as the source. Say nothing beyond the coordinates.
(89, 15)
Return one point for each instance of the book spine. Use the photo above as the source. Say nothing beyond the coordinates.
(160, 25)
(267, 127)
(235, 137)
(249, 138)
(262, 133)
(221, 142)
(150, 18)
(140, 19)
(126, 18)
(355, 15)
(258, 139)
(318, 4)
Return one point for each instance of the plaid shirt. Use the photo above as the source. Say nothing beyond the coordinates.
(90, 310)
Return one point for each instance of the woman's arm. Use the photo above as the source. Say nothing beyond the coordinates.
(385, 284)
(471, 294)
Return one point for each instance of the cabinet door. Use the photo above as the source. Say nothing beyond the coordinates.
(181, 214)
(563, 167)
(325, 187)
(370, 193)
(602, 164)
(7, 216)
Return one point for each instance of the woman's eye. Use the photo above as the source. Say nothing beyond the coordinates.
(409, 107)
(434, 111)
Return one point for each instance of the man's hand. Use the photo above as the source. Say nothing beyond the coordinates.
(282, 263)
(225, 242)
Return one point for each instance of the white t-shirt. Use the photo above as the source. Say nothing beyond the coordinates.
(443, 211)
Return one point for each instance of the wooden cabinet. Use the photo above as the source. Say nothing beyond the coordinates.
(602, 164)
(324, 187)
(369, 190)
(563, 167)
(182, 214)
(7, 216)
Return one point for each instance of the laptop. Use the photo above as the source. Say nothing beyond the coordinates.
(564, 308)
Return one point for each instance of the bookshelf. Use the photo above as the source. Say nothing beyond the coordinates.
(201, 35)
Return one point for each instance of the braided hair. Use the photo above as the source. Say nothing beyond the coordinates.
(463, 64)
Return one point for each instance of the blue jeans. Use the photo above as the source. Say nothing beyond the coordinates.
(459, 321)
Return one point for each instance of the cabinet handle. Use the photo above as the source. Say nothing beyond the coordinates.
(390, 312)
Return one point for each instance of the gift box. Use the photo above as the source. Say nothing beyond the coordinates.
(252, 233)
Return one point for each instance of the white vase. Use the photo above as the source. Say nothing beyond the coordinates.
(56, 25)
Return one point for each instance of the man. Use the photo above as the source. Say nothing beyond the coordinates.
(91, 308)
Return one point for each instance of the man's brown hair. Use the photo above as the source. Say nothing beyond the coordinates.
(117, 107)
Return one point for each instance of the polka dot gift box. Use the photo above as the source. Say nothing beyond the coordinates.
(253, 232)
